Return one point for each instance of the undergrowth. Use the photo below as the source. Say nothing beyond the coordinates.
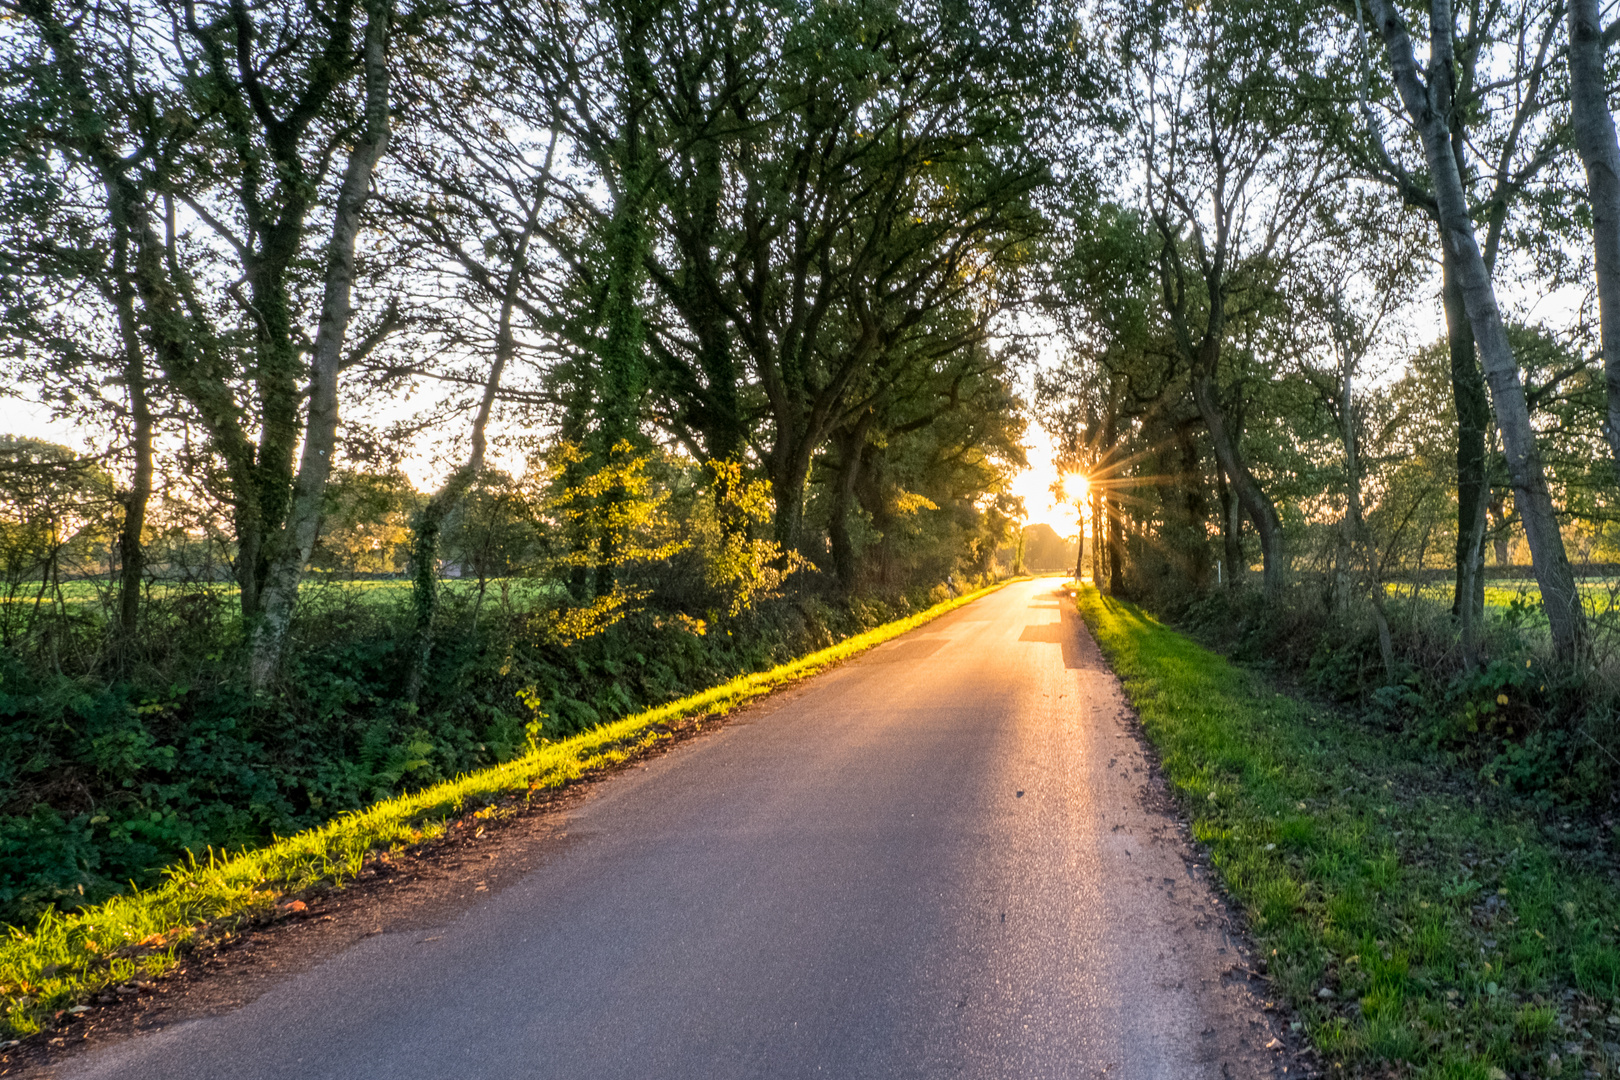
(1508, 712)
(112, 769)
(1415, 919)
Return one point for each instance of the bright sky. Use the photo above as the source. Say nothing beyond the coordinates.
(1034, 485)
(19, 417)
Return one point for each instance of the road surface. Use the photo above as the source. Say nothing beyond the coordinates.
(945, 858)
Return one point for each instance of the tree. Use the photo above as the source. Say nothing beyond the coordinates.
(1501, 140)
(88, 359)
(54, 507)
(1599, 148)
(476, 195)
(1428, 104)
(821, 183)
(1228, 181)
(256, 138)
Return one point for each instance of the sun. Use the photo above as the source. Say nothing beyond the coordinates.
(1072, 489)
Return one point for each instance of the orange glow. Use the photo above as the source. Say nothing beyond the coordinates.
(1072, 489)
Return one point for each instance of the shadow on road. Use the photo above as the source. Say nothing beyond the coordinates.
(1067, 634)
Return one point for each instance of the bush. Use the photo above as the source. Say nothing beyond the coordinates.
(106, 778)
(1514, 719)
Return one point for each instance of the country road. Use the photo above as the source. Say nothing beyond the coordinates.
(948, 857)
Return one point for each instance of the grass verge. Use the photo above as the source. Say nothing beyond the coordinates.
(1421, 923)
(62, 960)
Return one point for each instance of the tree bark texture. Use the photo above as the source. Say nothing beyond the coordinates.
(1116, 546)
(296, 538)
(1255, 502)
(851, 445)
(1429, 107)
(1473, 491)
(131, 551)
(1097, 541)
(1194, 510)
(1600, 154)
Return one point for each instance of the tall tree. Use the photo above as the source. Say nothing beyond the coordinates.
(1502, 140)
(265, 101)
(1600, 153)
(1228, 182)
(824, 179)
(1428, 103)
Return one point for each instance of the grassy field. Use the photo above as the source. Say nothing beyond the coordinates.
(63, 960)
(1418, 924)
(1599, 595)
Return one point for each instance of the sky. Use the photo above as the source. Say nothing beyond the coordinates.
(1034, 485)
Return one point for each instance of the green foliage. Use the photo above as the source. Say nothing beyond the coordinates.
(57, 515)
(1518, 720)
(365, 527)
(71, 950)
(107, 781)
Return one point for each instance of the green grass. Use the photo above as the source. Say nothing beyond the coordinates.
(1458, 933)
(63, 960)
(1596, 593)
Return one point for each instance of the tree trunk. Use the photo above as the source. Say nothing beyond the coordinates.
(623, 375)
(1110, 505)
(851, 442)
(1600, 153)
(1496, 508)
(1116, 547)
(131, 552)
(1473, 419)
(1097, 542)
(1429, 107)
(1255, 502)
(1194, 510)
(1355, 529)
(787, 492)
(429, 526)
(1231, 529)
(1080, 544)
(296, 538)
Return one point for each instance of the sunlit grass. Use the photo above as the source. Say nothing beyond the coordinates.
(1455, 930)
(63, 960)
(1598, 595)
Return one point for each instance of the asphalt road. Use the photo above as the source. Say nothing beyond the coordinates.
(941, 859)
